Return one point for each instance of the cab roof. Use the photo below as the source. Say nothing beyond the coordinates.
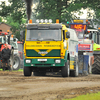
(44, 26)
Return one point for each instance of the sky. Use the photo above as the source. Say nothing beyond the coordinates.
(84, 15)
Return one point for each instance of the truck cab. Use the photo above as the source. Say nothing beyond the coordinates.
(50, 47)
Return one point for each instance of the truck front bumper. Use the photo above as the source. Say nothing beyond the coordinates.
(44, 62)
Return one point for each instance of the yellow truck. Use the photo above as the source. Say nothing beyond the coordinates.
(50, 47)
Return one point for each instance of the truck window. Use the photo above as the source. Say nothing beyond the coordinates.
(98, 39)
(95, 37)
(43, 35)
(80, 33)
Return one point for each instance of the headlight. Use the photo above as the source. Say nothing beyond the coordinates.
(41, 20)
(58, 61)
(37, 20)
(46, 21)
(50, 20)
(28, 61)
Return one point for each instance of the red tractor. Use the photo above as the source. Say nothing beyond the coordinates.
(5, 39)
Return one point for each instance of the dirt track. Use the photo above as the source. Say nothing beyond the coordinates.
(14, 86)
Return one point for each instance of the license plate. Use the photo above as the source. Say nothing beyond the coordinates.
(42, 59)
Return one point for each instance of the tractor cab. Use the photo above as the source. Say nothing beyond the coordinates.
(3, 39)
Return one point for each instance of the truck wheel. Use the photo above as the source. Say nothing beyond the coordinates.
(16, 63)
(39, 73)
(66, 69)
(74, 73)
(96, 65)
(27, 71)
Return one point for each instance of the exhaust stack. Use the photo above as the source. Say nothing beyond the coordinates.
(29, 4)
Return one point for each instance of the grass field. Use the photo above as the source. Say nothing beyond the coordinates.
(93, 96)
(14, 70)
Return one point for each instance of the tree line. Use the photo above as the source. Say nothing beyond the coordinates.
(16, 15)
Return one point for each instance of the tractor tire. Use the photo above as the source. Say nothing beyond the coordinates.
(96, 64)
(66, 69)
(27, 71)
(16, 63)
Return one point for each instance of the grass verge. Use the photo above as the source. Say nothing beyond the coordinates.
(13, 70)
(93, 96)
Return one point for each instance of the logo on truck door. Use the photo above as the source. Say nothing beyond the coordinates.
(42, 53)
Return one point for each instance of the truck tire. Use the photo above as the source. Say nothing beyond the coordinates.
(39, 73)
(66, 69)
(75, 73)
(27, 71)
(96, 64)
(16, 63)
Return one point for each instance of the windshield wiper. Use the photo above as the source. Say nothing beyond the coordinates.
(50, 39)
(41, 39)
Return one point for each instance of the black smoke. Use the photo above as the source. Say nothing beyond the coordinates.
(29, 10)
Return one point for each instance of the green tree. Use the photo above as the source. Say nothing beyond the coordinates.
(0, 19)
(64, 9)
(53, 9)
(15, 14)
(16, 10)
(91, 5)
(49, 9)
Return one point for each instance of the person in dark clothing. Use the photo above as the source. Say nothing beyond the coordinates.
(5, 55)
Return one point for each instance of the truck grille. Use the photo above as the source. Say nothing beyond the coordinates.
(52, 53)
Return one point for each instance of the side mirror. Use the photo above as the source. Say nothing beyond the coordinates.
(67, 34)
(90, 35)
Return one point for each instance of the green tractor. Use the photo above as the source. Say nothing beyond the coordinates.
(95, 36)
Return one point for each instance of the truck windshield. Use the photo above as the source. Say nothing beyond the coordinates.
(96, 37)
(43, 35)
(80, 33)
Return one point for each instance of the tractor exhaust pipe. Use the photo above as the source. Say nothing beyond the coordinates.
(29, 4)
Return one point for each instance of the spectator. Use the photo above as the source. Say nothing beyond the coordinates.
(5, 55)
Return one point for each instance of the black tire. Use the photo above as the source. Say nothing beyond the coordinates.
(16, 63)
(39, 73)
(75, 73)
(66, 69)
(27, 71)
(96, 65)
(12, 58)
